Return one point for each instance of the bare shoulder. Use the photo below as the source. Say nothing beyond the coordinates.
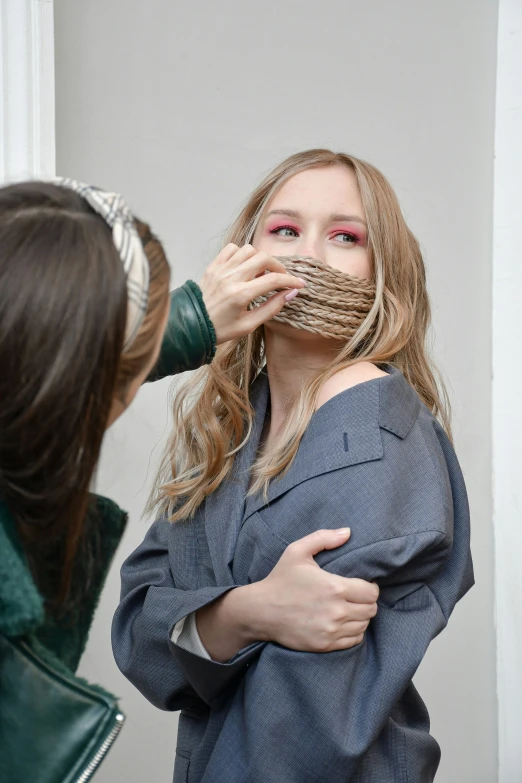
(346, 378)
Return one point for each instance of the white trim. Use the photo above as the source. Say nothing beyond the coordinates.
(44, 151)
(507, 388)
(27, 125)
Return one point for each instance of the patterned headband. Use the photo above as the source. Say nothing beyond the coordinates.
(118, 216)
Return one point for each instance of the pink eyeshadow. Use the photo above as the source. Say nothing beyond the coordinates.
(348, 230)
(275, 224)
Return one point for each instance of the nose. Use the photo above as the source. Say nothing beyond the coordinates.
(312, 247)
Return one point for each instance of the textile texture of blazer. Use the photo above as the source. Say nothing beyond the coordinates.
(373, 458)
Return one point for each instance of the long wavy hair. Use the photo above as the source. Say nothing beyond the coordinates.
(213, 416)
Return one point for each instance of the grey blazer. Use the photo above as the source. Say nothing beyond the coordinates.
(374, 459)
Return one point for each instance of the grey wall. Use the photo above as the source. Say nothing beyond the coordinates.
(183, 107)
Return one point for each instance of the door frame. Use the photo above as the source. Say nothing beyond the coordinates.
(507, 388)
(27, 105)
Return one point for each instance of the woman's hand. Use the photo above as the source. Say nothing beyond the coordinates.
(234, 279)
(298, 605)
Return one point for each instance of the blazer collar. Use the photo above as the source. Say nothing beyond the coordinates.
(345, 431)
(399, 404)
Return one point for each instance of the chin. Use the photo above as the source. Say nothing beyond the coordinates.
(299, 335)
(276, 327)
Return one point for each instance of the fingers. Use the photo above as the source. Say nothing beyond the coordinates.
(253, 275)
(249, 264)
(233, 256)
(353, 629)
(361, 613)
(228, 252)
(272, 281)
(315, 542)
(346, 643)
(269, 309)
(349, 635)
(263, 313)
(260, 263)
(260, 315)
(238, 255)
(357, 591)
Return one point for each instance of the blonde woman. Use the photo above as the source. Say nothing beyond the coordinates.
(329, 416)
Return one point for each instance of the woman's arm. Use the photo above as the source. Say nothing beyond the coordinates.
(204, 316)
(190, 340)
(150, 606)
(320, 714)
(324, 713)
(300, 605)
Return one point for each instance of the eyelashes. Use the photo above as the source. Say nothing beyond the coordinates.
(352, 238)
(291, 231)
(283, 228)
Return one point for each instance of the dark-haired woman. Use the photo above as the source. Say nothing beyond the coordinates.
(85, 318)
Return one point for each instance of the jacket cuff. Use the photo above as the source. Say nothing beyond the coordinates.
(190, 339)
(214, 681)
(211, 680)
(208, 327)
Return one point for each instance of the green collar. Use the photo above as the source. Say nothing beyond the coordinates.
(21, 606)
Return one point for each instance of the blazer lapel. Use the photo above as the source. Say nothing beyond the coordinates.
(344, 431)
(224, 509)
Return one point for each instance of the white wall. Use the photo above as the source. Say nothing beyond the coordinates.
(507, 382)
(183, 107)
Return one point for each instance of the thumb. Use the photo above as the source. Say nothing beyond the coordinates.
(321, 539)
(266, 311)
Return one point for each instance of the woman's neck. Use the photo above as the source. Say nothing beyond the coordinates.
(291, 363)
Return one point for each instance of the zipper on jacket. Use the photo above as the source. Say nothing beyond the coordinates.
(98, 757)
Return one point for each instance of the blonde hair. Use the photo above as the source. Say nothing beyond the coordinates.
(213, 417)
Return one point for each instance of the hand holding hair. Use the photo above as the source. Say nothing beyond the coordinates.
(234, 279)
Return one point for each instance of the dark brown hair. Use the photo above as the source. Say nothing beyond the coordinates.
(63, 305)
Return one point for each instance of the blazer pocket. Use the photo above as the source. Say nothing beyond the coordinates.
(411, 597)
(258, 550)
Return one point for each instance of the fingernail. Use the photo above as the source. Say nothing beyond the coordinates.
(301, 280)
(293, 293)
(343, 531)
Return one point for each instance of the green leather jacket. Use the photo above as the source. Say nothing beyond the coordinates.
(189, 343)
(190, 339)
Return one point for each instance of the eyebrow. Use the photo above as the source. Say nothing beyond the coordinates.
(334, 218)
